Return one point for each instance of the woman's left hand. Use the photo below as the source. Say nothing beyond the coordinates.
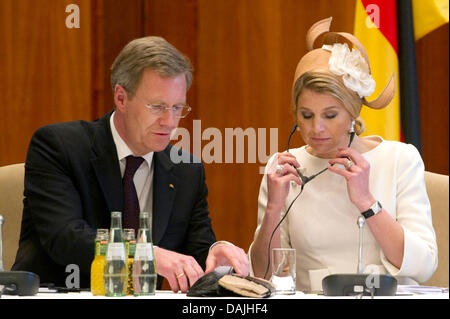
(356, 172)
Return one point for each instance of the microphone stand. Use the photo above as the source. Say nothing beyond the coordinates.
(359, 284)
(2, 268)
(361, 222)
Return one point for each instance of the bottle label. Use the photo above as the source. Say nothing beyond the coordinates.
(116, 251)
(97, 247)
(130, 247)
(100, 247)
(103, 246)
(144, 251)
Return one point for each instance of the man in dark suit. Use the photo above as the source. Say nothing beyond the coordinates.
(74, 178)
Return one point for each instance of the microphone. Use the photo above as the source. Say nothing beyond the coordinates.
(359, 284)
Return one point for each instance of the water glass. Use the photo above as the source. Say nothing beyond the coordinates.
(283, 270)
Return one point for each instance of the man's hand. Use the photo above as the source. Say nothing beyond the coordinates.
(225, 254)
(181, 271)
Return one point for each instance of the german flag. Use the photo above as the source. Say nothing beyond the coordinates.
(376, 29)
(428, 15)
(388, 29)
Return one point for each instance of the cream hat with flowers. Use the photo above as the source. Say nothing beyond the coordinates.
(351, 65)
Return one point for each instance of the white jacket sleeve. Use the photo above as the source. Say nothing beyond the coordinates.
(413, 212)
(262, 205)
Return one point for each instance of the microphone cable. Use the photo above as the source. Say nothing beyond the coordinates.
(305, 179)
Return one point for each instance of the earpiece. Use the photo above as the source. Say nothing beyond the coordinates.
(352, 132)
(295, 127)
(352, 127)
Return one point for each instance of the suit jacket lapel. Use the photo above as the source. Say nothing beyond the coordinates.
(164, 190)
(106, 165)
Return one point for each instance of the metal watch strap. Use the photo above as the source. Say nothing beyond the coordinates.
(370, 212)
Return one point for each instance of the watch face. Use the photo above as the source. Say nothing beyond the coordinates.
(376, 208)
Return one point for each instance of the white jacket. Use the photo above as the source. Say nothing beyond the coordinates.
(321, 225)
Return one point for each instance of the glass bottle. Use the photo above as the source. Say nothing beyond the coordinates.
(115, 270)
(144, 274)
(130, 248)
(101, 244)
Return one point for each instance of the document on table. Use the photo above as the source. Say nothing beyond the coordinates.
(420, 290)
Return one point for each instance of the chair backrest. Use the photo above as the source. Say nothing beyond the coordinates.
(437, 189)
(11, 205)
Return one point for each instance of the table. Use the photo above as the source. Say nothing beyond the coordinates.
(403, 293)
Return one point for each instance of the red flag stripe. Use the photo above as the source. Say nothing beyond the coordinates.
(387, 15)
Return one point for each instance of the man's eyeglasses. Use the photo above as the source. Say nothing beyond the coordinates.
(178, 110)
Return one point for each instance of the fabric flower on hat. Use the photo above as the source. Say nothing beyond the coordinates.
(352, 67)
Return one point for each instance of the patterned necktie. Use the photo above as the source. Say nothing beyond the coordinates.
(131, 202)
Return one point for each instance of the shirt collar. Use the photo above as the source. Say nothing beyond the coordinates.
(122, 148)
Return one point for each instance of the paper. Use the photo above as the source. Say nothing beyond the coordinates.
(420, 290)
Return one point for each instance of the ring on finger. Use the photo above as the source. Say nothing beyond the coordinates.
(279, 169)
(349, 164)
(181, 274)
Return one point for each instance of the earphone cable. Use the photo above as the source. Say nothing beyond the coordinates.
(275, 229)
(352, 135)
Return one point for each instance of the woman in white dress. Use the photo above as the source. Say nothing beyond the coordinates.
(382, 180)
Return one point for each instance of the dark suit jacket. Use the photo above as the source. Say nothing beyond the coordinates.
(73, 182)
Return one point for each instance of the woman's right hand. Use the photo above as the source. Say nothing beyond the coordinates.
(278, 181)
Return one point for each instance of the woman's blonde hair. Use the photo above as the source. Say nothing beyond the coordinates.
(325, 82)
(153, 53)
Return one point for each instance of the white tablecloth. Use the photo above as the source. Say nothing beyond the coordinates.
(403, 292)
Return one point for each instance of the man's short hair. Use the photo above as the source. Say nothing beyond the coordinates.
(153, 53)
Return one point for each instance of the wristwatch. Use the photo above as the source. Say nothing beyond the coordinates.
(373, 210)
